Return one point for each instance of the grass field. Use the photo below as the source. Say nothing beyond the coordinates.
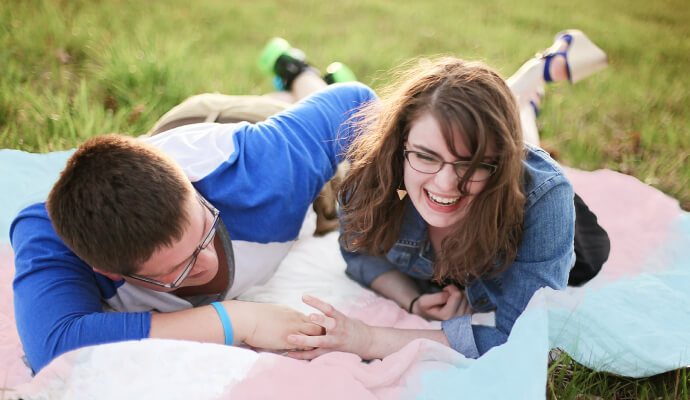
(74, 69)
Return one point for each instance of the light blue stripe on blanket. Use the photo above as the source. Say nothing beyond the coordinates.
(634, 327)
(25, 178)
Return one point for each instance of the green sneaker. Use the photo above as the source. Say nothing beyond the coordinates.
(282, 60)
(339, 72)
(285, 62)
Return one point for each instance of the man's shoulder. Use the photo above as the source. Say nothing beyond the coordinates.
(35, 215)
(199, 149)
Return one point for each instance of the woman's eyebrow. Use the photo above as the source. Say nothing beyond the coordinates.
(435, 154)
(425, 150)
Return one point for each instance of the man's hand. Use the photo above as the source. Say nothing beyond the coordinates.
(342, 333)
(259, 325)
(449, 303)
(268, 326)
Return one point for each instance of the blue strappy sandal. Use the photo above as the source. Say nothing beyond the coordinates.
(582, 57)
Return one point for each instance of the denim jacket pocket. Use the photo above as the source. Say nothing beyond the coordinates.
(401, 254)
(405, 255)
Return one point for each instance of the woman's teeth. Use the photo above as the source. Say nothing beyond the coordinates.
(445, 201)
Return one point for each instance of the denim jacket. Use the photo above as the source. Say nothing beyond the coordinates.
(544, 259)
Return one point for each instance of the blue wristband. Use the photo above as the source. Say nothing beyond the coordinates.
(225, 320)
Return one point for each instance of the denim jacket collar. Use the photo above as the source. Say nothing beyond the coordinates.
(414, 229)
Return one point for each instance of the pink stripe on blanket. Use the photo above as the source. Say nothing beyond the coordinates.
(12, 369)
(342, 375)
(637, 217)
(335, 376)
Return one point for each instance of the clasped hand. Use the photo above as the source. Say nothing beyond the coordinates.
(273, 324)
(341, 333)
(449, 303)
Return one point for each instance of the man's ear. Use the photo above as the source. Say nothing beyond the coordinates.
(110, 275)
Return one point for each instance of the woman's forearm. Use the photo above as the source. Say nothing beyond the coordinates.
(396, 286)
(385, 341)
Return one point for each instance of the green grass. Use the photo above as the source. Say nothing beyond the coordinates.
(74, 69)
(570, 380)
(79, 68)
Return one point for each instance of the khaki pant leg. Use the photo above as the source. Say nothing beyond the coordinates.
(216, 107)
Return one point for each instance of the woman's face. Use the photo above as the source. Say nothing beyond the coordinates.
(437, 196)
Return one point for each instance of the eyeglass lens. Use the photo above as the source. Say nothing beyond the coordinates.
(429, 164)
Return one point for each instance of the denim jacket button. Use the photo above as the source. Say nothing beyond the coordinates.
(480, 302)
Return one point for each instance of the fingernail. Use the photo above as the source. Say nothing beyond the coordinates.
(306, 297)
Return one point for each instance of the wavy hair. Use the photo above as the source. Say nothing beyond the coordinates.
(468, 99)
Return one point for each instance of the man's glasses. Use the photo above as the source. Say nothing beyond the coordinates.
(185, 271)
(429, 164)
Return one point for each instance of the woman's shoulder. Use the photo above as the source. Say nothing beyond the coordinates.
(543, 174)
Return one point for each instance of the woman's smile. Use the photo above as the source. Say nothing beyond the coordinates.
(443, 204)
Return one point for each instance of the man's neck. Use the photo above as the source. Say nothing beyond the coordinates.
(216, 285)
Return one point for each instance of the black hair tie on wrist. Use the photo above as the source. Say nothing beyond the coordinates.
(409, 309)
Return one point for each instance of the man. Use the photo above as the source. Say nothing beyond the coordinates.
(156, 229)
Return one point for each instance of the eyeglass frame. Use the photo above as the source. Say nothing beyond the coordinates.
(491, 167)
(175, 284)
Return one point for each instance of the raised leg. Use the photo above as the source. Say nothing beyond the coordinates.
(572, 57)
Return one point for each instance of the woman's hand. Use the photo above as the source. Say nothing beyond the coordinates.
(449, 303)
(341, 333)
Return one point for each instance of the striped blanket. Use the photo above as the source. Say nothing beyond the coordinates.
(632, 319)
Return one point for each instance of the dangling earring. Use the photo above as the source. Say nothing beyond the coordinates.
(401, 192)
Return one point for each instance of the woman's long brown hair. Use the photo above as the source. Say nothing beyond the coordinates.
(467, 99)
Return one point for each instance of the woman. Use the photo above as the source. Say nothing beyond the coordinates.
(448, 212)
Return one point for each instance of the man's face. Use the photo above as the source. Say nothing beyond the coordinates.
(167, 263)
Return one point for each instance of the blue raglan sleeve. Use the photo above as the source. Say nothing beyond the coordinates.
(57, 298)
(280, 165)
(544, 259)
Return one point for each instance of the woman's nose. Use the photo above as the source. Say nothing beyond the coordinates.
(446, 178)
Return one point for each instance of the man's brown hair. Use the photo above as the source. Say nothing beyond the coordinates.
(469, 100)
(117, 201)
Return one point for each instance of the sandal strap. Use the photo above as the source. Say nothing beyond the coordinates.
(547, 64)
(548, 56)
(534, 107)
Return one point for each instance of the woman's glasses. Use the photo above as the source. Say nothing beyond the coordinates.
(429, 164)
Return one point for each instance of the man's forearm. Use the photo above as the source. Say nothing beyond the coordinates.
(203, 324)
